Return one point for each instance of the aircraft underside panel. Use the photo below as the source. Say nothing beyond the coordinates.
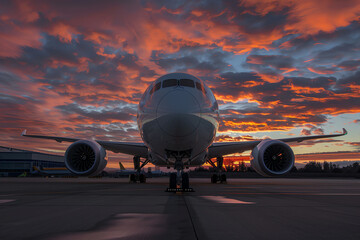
(166, 147)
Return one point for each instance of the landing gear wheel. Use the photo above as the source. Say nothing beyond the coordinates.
(172, 183)
(185, 181)
(214, 178)
(223, 178)
(142, 178)
(132, 178)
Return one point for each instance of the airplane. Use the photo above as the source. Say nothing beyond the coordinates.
(178, 118)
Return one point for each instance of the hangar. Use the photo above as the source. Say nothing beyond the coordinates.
(15, 162)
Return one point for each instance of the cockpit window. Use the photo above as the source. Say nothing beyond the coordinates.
(169, 83)
(187, 83)
(155, 88)
(200, 87)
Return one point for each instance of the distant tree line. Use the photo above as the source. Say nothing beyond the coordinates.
(310, 167)
(327, 167)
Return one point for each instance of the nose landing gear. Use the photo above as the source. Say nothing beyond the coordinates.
(179, 181)
(179, 184)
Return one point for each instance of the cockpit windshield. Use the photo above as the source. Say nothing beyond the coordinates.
(156, 87)
(170, 83)
(175, 82)
(187, 83)
(200, 87)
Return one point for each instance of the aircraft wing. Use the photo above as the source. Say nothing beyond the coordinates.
(225, 148)
(131, 148)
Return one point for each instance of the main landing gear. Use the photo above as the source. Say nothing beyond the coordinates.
(219, 176)
(141, 178)
(138, 177)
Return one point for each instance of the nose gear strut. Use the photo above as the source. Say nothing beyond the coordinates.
(180, 178)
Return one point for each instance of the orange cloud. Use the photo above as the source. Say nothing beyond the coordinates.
(310, 17)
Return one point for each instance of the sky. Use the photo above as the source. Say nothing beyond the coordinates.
(277, 68)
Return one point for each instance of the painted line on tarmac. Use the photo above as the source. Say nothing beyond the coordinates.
(221, 199)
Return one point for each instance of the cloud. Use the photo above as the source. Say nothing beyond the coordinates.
(227, 138)
(305, 132)
(119, 113)
(274, 61)
(349, 65)
(310, 17)
(80, 71)
(198, 59)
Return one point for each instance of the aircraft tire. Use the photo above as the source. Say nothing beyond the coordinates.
(223, 178)
(185, 181)
(172, 182)
(214, 178)
(142, 178)
(132, 178)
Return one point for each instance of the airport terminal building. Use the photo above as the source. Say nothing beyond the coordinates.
(14, 162)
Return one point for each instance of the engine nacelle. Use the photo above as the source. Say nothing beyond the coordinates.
(272, 158)
(85, 158)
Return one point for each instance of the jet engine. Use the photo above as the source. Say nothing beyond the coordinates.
(272, 158)
(85, 158)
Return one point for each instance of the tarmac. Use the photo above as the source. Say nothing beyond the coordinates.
(108, 208)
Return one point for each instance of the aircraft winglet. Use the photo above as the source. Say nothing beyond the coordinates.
(23, 133)
(121, 166)
(344, 131)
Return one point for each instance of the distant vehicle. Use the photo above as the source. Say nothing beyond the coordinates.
(178, 118)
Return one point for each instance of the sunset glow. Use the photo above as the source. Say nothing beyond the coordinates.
(278, 68)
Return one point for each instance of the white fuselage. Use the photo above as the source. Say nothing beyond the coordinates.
(178, 119)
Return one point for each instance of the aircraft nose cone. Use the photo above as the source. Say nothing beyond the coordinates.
(178, 113)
